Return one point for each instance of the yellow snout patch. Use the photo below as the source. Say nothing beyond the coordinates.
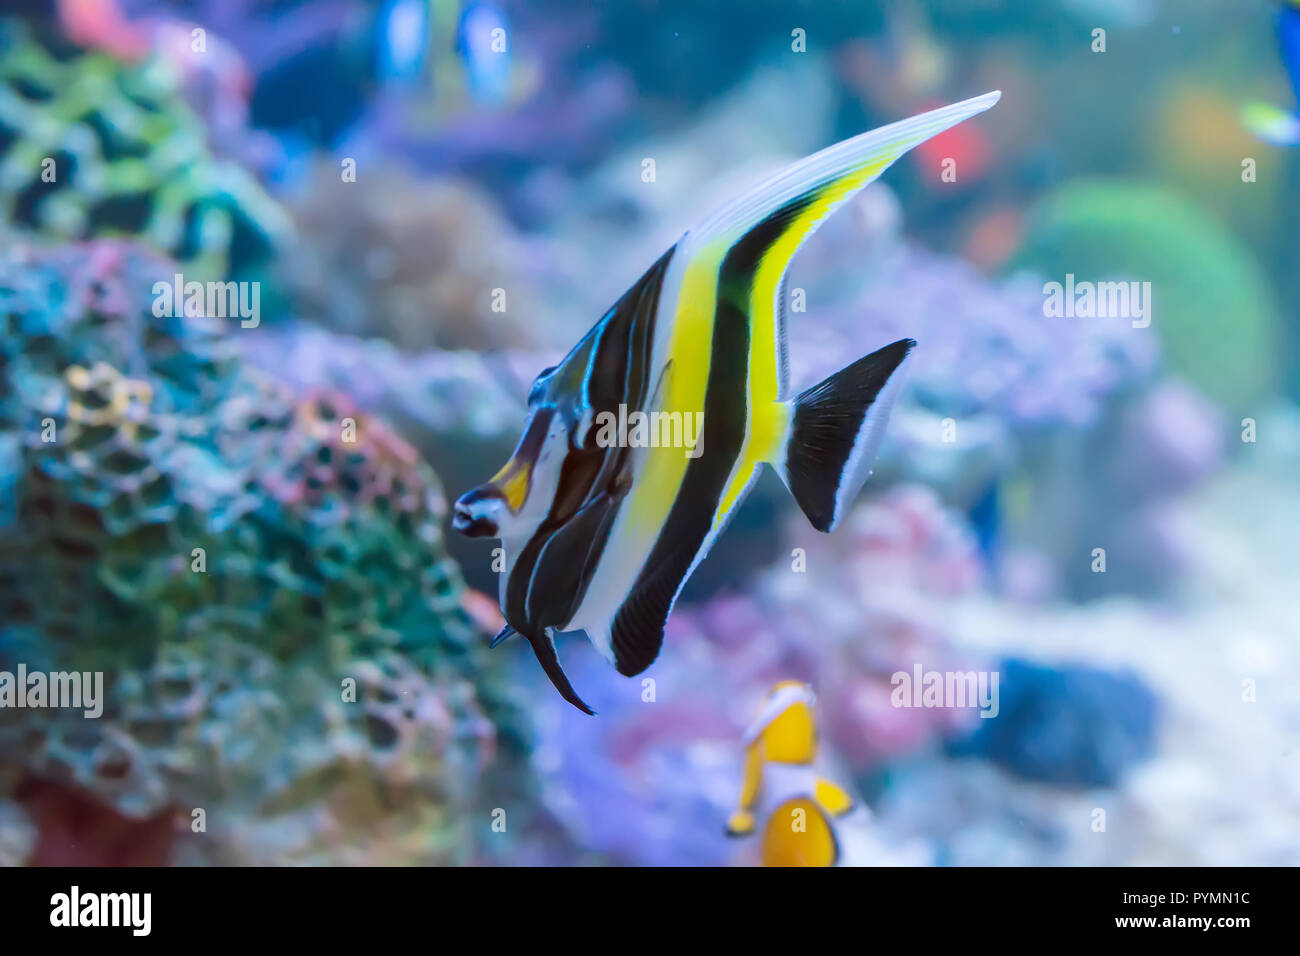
(512, 481)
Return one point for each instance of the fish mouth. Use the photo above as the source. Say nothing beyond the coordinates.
(472, 525)
(479, 512)
(476, 512)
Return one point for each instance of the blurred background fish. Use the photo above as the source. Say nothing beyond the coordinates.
(783, 799)
(402, 40)
(1281, 127)
(483, 41)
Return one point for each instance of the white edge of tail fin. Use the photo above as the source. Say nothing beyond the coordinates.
(887, 142)
(866, 445)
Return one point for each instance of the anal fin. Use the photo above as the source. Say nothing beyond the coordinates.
(544, 648)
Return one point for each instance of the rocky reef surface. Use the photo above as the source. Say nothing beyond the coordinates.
(258, 573)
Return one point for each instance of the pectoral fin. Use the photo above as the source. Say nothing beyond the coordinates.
(833, 799)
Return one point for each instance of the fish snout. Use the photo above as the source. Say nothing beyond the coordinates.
(478, 511)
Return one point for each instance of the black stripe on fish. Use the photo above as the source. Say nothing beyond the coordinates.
(637, 633)
(782, 349)
(619, 370)
(550, 577)
(564, 559)
(638, 627)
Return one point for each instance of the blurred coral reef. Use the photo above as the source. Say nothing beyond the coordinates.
(90, 145)
(230, 556)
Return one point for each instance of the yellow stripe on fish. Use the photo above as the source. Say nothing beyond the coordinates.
(686, 379)
(769, 415)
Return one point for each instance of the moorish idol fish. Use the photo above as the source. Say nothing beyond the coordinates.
(600, 534)
(782, 785)
(1271, 124)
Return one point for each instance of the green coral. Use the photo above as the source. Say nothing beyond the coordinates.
(91, 146)
(235, 558)
(1212, 305)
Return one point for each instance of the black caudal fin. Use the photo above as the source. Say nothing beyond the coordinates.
(836, 431)
(544, 648)
(502, 634)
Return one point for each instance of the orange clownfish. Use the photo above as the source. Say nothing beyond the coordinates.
(781, 784)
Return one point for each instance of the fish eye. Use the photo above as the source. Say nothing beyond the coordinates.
(539, 385)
